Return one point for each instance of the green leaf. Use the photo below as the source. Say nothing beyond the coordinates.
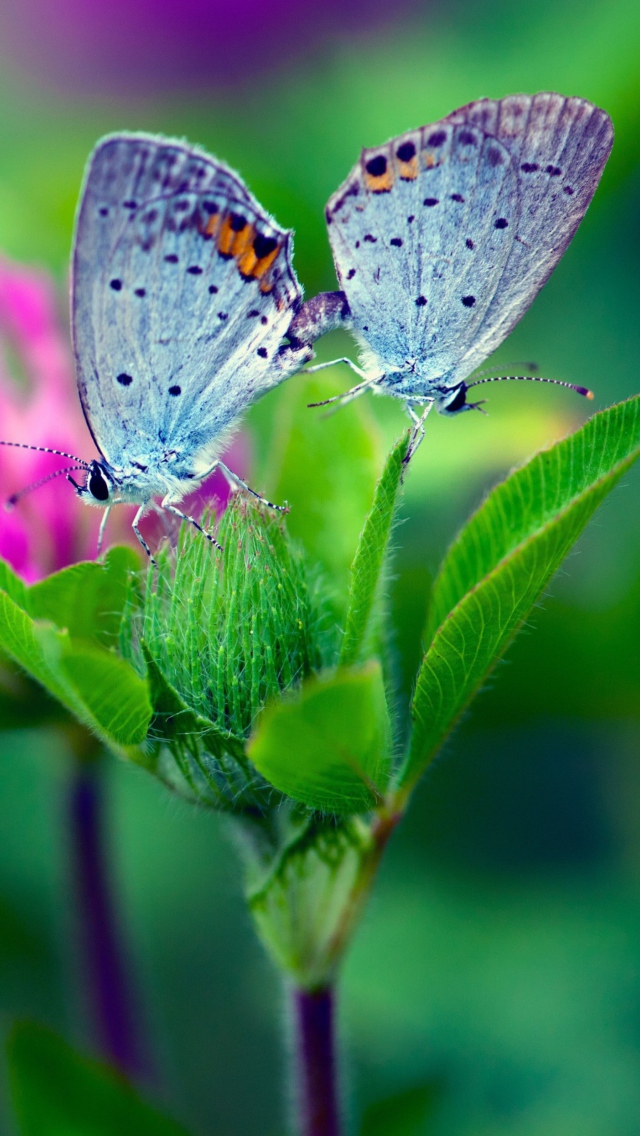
(86, 599)
(57, 1092)
(367, 567)
(325, 468)
(115, 696)
(99, 689)
(502, 561)
(404, 1114)
(12, 584)
(329, 746)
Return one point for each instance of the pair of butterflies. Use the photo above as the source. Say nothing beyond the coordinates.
(186, 307)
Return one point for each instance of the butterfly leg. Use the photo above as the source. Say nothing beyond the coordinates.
(418, 429)
(169, 508)
(134, 525)
(103, 525)
(332, 363)
(237, 483)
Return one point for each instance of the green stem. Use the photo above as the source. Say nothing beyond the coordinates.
(381, 830)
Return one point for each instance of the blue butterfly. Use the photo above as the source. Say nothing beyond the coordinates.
(443, 237)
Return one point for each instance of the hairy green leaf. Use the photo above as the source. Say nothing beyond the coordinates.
(12, 584)
(96, 686)
(367, 568)
(328, 747)
(86, 599)
(502, 561)
(57, 1092)
(115, 696)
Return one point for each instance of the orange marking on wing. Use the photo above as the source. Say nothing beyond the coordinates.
(213, 224)
(381, 184)
(226, 237)
(408, 171)
(265, 262)
(243, 242)
(247, 263)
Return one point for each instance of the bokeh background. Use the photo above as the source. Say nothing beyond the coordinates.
(500, 956)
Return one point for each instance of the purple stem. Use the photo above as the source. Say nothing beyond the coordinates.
(109, 987)
(317, 1091)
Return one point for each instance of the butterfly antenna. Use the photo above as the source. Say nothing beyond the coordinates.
(510, 363)
(46, 450)
(12, 501)
(584, 391)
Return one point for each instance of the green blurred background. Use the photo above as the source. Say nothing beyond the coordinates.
(500, 955)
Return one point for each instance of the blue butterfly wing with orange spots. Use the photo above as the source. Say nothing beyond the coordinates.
(443, 237)
(182, 291)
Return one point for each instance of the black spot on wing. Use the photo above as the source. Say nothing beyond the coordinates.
(405, 152)
(124, 379)
(263, 246)
(468, 301)
(377, 166)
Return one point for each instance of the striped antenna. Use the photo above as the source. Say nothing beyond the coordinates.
(508, 363)
(46, 450)
(531, 379)
(12, 501)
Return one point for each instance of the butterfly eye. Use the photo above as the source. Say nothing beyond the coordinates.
(457, 401)
(97, 483)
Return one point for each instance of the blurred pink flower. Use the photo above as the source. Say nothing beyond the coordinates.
(39, 406)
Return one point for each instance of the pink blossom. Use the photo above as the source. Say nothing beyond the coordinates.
(39, 406)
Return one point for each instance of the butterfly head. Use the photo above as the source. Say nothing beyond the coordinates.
(454, 401)
(98, 487)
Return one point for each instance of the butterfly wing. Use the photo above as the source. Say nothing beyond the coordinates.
(182, 291)
(443, 237)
